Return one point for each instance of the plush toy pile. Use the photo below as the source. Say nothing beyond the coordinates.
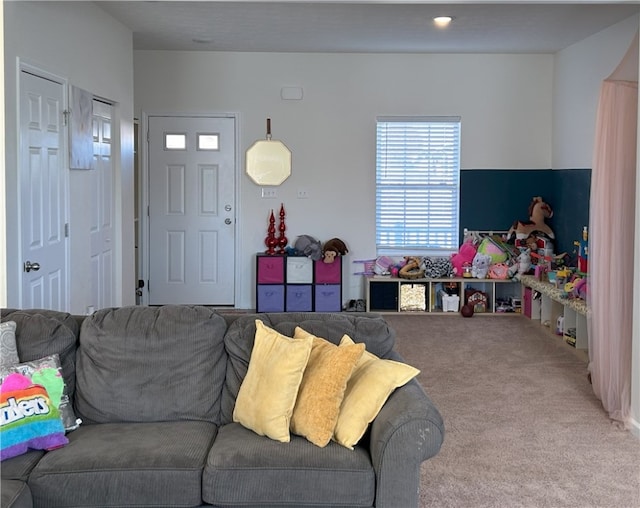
(483, 257)
(307, 245)
(414, 267)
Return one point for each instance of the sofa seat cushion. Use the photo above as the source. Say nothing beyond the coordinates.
(246, 469)
(18, 468)
(151, 364)
(125, 464)
(15, 494)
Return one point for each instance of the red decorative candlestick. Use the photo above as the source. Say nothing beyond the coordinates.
(282, 240)
(271, 241)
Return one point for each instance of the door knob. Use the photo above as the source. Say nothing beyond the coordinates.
(227, 221)
(28, 266)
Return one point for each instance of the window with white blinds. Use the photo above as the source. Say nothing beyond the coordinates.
(417, 184)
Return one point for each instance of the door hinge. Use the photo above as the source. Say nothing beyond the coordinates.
(65, 116)
(66, 230)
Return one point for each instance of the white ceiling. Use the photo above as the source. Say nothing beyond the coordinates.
(365, 26)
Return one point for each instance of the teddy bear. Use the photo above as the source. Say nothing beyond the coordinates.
(332, 249)
(480, 265)
(463, 257)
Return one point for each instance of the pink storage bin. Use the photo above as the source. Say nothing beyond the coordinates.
(328, 273)
(270, 269)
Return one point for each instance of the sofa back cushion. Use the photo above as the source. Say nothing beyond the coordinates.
(373, 330)
(151, 364)
(41, 333)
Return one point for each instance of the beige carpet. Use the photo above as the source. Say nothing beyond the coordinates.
(523, 428)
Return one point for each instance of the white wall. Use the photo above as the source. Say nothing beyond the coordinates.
(79, 42)
(504, 101)
(635, 348)
(3, 215)
(578, 74)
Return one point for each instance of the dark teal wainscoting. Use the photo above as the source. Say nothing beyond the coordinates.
(495, 198)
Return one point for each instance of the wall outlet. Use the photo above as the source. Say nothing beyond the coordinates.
(303, 194)
(269, 193)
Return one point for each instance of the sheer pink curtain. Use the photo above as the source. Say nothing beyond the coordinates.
(611, 238)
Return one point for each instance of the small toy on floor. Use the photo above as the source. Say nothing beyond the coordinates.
(466, 310)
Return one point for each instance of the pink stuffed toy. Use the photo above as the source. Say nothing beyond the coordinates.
(464, 256)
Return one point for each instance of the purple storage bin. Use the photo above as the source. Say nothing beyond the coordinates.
(328, 298)
(271, 269)
(270, 298)
(299, 298)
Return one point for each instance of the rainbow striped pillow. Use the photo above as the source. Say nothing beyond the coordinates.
(28, 418)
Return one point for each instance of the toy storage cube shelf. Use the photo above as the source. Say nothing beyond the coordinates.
(383, 294)
(552, 309)
(297, 284)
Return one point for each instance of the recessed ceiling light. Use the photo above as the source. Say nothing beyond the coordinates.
(442, 21)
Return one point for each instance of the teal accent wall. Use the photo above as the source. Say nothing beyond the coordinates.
(495, 198)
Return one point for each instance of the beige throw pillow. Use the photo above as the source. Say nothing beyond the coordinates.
(322, 389)
(268, 392)
(371, 383)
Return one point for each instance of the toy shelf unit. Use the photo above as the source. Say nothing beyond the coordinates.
(445, 295)
(565, 317)
(297, 284)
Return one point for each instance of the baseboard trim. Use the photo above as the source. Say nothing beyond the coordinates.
(635, 427)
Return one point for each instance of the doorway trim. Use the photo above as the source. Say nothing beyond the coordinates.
(143, 195)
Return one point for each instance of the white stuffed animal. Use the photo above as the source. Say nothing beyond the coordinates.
(522, 265)
(480, 266)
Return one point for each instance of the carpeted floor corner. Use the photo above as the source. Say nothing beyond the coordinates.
(523, 427)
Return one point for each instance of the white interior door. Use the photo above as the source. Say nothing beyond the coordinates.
(43, 194)
(191, 210)
(102, 209)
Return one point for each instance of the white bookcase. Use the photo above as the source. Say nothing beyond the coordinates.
(553, 305)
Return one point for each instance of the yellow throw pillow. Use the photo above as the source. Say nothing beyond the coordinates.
(268, 392)
(323, 384)
(371, 383)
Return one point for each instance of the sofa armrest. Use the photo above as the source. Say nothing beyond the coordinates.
(407, 431)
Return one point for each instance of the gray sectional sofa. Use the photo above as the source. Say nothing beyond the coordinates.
(155, 388)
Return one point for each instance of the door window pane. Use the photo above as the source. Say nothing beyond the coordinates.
(208, 142)
(175, 141)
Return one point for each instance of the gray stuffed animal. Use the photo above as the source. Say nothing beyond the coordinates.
(308, 246)
(480, 266)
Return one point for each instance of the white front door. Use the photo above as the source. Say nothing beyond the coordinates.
(43, 194)
(191, 210)
(102, 208)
